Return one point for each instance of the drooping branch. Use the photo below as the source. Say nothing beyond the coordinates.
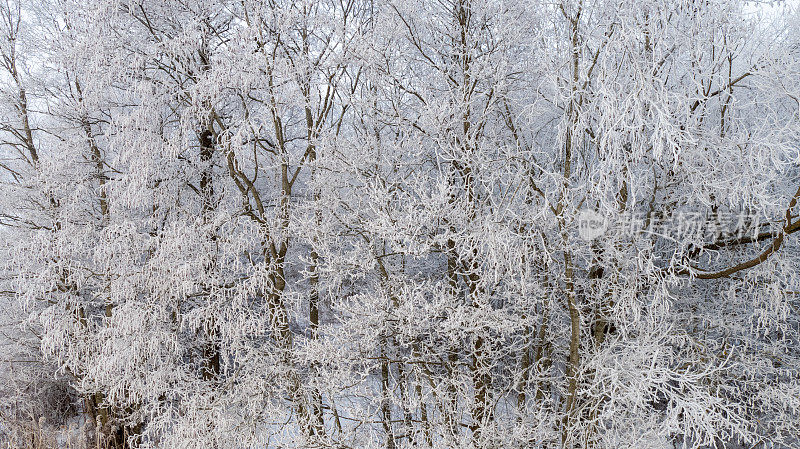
(777, 242)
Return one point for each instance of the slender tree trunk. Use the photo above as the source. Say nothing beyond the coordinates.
(386, 406)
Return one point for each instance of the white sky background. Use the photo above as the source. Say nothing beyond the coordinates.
(775, 11)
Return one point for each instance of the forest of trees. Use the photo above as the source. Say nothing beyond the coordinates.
(399, 223)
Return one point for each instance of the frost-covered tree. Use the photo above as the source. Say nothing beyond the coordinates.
(381, 223)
